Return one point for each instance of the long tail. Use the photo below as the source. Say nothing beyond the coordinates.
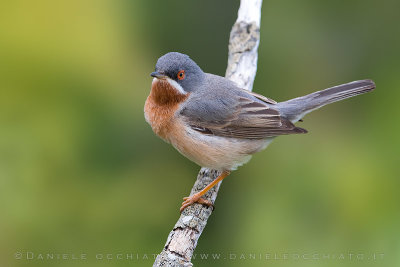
(295, 109)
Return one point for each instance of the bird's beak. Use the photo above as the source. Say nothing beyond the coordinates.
(158, 75)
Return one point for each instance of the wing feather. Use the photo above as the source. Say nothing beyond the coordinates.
(237, 117)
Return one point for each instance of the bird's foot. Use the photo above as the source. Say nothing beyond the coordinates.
(193, 199)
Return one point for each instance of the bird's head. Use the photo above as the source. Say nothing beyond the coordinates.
(180, 71)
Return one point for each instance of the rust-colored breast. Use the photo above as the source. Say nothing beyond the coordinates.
(161, 106)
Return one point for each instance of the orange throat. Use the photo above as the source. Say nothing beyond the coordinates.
(161, 106)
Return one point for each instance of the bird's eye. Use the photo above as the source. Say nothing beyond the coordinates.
(181, 75)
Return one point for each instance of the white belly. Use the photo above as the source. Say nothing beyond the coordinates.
(215, 152)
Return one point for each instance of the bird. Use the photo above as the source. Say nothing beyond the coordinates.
(219, 125)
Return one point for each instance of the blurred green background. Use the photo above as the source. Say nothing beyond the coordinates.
(82, 173)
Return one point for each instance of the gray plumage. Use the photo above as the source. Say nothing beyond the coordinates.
(233, 112)
(295, 109)
(171, 63)
(217, 106)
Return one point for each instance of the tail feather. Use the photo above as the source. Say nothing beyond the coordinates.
(295, 109)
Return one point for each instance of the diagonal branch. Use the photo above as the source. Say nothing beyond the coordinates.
(242, 67)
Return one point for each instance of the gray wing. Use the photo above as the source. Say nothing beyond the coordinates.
(237, 114)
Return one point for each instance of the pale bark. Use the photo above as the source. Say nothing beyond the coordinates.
(242, 67)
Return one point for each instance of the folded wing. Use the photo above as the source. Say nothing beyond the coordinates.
(237, 116)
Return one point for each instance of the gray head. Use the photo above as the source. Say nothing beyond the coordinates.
(179, 68)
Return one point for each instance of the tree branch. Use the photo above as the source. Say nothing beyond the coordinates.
(242, 67)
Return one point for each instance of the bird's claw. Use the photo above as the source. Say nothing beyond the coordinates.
(194, 199)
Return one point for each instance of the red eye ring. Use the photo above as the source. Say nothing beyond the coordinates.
(181, 75)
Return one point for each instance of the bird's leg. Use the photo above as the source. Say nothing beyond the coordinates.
(197, 197)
